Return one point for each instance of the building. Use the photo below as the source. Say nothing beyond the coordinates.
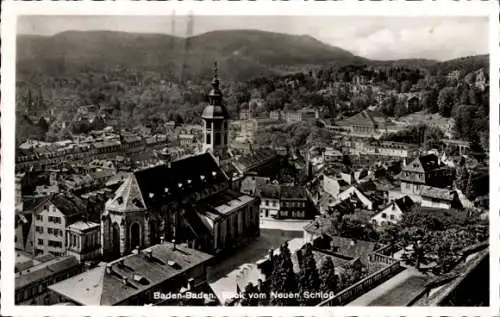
(188, 200)
(270, 196)
(424, 170)
(364, 124)
(285, 202)
(394, 212)
(51, 217)
(83, 240)
(186, 140)
(386, 149)
(33, 279)
(275, 115)
(215, 122)
(305, 114)
(251, 183)
(139, 278)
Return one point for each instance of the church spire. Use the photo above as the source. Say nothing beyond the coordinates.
(215, 96)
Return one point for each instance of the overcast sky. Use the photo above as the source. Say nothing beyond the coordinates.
(438, 38)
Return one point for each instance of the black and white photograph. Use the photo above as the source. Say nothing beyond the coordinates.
(225, 160)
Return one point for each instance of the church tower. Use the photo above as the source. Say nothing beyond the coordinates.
(215, 118)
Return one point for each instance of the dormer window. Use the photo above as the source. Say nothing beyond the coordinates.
(189, 181)
(151, 195)
(202, 177)
(166, 190)
(180, 185)
(119, 200)
(214, 173)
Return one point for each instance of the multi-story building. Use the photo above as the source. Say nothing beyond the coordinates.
(426, 180)
(285, 201)
(387, 149)
(364, 124)
(50, 220)
(270, 196)
(32, 280)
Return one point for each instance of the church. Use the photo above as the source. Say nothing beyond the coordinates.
(189, 201)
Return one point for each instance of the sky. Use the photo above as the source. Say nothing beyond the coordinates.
(382, 38)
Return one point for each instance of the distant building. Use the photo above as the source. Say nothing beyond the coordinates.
(140, 278)
(364, 124)
(387, 149)
(276, 115)
(285, 202)
(186, 139)
(394, 212)
(301, 115)
(32, 280)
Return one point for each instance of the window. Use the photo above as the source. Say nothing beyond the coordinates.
(384, 215)
(274, 203)
(209, 138)
(267, 202)
(39, 229)
(40, 241)
(392, 217)
(39, 217)
(55, 244)
(49, 230)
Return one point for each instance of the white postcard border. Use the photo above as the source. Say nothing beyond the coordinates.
(13, 9)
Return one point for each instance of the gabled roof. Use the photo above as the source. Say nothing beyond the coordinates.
(164, 183)
(366, 118)
(68, 204)
(404, 203)
(127, 197)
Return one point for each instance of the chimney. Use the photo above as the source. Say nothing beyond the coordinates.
(148, 254)
(174, 245)
(108, 269)
(190, 284)
(162, 239)
(125, 280)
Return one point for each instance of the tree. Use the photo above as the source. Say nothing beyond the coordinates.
(353, 273)
(249, 298)
(405, 86)
(446, 100)
(462, 177)
(308, 275)
(430, 100)
(469, 189)
(328, 278)
(283, 279)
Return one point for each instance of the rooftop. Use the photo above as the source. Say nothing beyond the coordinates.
(117, 281)
(44, 270)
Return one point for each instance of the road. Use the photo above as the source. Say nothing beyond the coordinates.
(240, 267)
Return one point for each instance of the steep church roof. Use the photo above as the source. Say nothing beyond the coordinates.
(165, 183)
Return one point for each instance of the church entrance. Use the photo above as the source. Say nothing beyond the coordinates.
(115, 239)
(135, 236)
